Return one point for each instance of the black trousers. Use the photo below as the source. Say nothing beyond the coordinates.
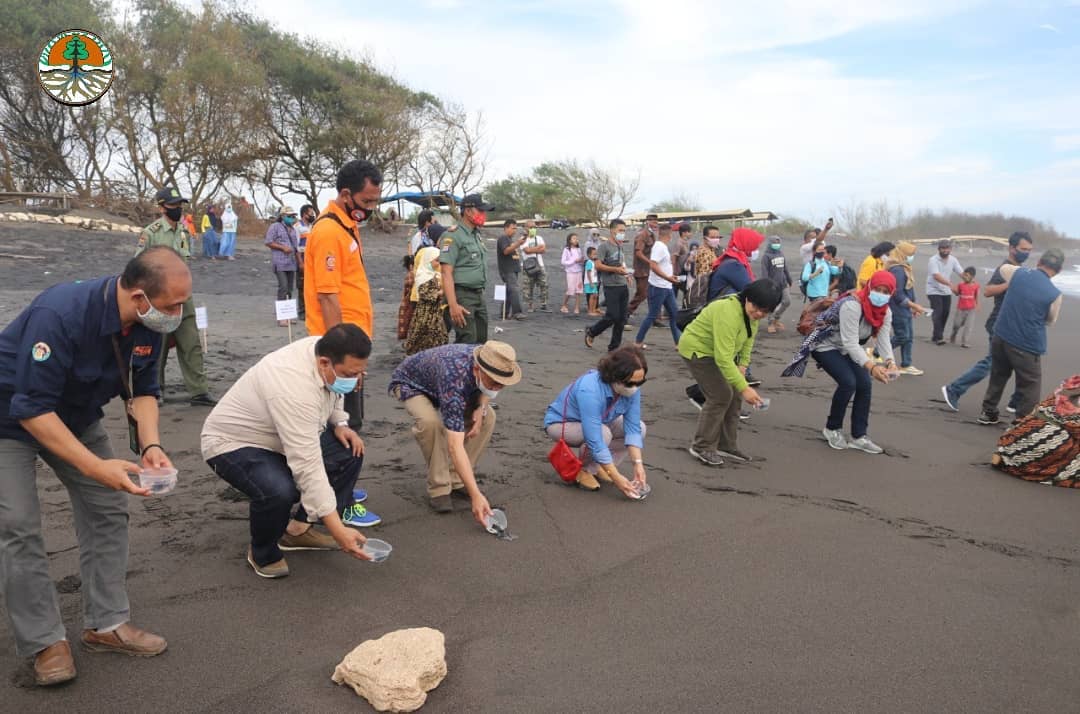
(1006, 360)
(941, 304)
(617, 304)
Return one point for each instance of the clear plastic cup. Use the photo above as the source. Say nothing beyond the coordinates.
(927, 312)
(643, 491)
(379, 550)
(765, 403)
(496, 522)
(159, 481)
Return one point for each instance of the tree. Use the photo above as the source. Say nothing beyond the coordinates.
(679, 203)
(591, 192)
(452, 157)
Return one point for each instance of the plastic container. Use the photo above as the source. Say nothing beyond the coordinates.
(379, 550)
(159, 481)
(765, 403)
(496, 522)
(643, 491)
(927, 312)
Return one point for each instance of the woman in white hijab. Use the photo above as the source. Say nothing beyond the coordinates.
(427, 328)
(228, 228)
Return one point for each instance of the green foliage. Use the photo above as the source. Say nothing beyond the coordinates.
(947, 222)
(679, 203)
(564, 189)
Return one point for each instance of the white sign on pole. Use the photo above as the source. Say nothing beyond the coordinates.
(500, 293)
(286, 309)
(200, 317)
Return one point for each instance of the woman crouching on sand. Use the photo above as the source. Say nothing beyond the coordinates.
(601, 412)
(837, 345)
(716, 347)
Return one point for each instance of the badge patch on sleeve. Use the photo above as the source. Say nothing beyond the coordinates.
(143, 350)
(41, 352)
(446, 248)
(330, 262)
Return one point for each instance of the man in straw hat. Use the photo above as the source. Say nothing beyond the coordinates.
(446, 390)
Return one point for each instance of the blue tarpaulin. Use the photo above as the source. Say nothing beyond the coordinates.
(426, 199)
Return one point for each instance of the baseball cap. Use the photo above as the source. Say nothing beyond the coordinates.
(169, 194)
(475, 200)
(1053, 258)
(944, 243)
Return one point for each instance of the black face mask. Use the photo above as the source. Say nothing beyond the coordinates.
(358, 212)
(173, 214)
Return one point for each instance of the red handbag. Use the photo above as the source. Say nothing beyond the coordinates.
(561, 456)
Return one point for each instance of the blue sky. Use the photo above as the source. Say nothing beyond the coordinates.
(797, 107)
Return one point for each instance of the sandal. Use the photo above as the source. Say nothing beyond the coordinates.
(563, 310)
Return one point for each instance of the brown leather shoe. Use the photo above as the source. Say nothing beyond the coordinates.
(54, 665)
(587, 481)
(126, 639)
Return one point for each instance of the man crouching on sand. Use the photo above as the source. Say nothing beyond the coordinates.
(280, 435)
(446, 391)
(75, 348)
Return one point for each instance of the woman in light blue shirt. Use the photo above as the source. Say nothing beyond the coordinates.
(818, 274)
(602, 414)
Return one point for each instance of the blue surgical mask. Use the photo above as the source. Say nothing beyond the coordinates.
(910, 259)
(774, 246)
(289, 220)
(343, 385)
(878, 299)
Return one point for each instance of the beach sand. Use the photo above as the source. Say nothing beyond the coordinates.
(816, 580)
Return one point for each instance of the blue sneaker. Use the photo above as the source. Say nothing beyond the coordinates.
(359, 495)
(360, 517)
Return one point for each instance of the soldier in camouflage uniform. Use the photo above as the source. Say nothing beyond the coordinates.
(169, 231)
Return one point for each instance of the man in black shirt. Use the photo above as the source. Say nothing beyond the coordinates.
(1020, 245)
(509, 260)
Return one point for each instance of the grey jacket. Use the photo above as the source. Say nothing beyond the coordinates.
(853, 330)
(774, 267)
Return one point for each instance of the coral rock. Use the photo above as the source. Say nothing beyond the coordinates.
(395, 672)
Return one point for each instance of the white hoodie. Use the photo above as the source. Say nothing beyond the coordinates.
(228, 220)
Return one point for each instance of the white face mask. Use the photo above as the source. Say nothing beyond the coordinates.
(620, 237)
(489, 393)
(624, 391)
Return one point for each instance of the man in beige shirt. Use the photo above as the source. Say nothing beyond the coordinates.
(280, 435)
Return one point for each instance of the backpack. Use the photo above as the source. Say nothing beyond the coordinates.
(847, 279)
(808, 320)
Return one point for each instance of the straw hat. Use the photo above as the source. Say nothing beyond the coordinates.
(498, 361)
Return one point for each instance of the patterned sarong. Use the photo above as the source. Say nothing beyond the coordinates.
(1045, 445)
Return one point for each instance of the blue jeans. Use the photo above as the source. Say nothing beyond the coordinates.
(851, 380)
(903, 336)
(228, 244)
(210, 244)
(265, 478)
(975, 374)
(660, 298)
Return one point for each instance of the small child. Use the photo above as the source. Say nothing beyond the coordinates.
(965, 309)
(592, 292)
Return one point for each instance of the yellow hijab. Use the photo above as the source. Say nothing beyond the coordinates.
(423, 270)
(899, 256)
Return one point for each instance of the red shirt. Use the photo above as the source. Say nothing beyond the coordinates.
(968, 291)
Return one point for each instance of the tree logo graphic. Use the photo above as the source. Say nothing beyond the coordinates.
(75, 68)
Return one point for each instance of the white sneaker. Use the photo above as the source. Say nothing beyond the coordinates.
(836, 438)
(912, 370)
(863, 443)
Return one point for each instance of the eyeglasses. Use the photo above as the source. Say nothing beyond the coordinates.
(629, 383)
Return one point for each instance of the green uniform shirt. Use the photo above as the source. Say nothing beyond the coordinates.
(464, 249)
(161, 233)
(719, 331)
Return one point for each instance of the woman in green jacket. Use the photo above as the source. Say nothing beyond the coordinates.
(714, 345)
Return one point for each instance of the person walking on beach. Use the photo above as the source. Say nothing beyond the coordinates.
(836, 344)
(902, 305)
(447, 391)
(280, 435)
(662, 282)
(716, 348)
(1031, 303)
(643, 243)
(211, 230)
(591, 282)
(573, 262)
(600, 412)
(1020, 245)
(282, 240)
(939, 288)
(733, 271)
(464, 272)
(966, 305)
(424, 221)
(336, 288)
(508, 259)
(62, 359)
(679, 247)
(774, 267)
(229, 225)
(427, 328)
(166, 231)
(532, 262)
(818, 274)
(614, 278)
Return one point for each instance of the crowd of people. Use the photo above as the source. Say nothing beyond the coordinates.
(287, 433)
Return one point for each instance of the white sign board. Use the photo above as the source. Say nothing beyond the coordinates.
(200, 317)
(286, 309)
(500, 293)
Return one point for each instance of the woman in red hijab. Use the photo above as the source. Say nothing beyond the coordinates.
(731, 271)
(859, 318)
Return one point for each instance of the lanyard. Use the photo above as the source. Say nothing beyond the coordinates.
(126, 377)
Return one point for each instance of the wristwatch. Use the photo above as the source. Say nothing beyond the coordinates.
(343, 422)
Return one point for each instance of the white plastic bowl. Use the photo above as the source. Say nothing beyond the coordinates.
(159, 481)
(496, 522)
(379, 550)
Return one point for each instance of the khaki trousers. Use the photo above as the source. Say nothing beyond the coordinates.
(431, 436)
(718, 423)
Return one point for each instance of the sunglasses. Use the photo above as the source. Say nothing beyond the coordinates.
(628, 383)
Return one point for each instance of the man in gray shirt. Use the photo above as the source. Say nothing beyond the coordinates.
(939, 287)
(615, 279)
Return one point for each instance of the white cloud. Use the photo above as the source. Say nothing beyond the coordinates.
(1049, 28)
(1069, 142)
